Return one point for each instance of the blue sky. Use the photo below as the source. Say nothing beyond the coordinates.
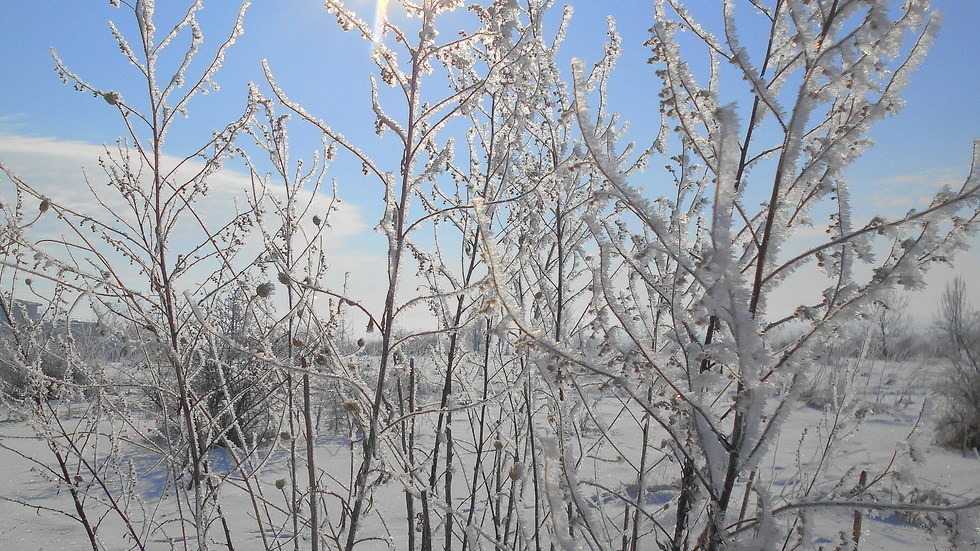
(327, 70)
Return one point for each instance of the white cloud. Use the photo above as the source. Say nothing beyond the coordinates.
(55, 168)
(63, 171)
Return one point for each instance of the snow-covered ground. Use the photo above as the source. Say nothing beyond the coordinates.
(875, 417)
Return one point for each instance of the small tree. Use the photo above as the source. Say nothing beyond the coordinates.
(958, 326)
(152, 199)
(892, 328)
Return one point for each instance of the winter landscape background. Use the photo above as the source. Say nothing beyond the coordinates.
(503, 274)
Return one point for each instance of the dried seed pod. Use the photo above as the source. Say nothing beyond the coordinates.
(280, 483)
(265, 290)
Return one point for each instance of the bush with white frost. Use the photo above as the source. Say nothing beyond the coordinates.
(602, 370)
(957, 326)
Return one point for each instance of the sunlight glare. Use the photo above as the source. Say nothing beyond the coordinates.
(380, 15)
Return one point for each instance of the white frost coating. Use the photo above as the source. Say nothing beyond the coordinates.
(384, 121)
(591, 320)
(124, 47)
(556, 491)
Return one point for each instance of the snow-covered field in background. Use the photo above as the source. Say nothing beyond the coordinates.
(880, 419)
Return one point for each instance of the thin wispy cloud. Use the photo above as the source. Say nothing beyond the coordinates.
(897, 202)
(896, 195)
(932, 177)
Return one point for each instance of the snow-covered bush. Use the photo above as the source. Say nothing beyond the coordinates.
(236, 388)
(148, 196)
(958, 328)
(602, 370)
(678, 281)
